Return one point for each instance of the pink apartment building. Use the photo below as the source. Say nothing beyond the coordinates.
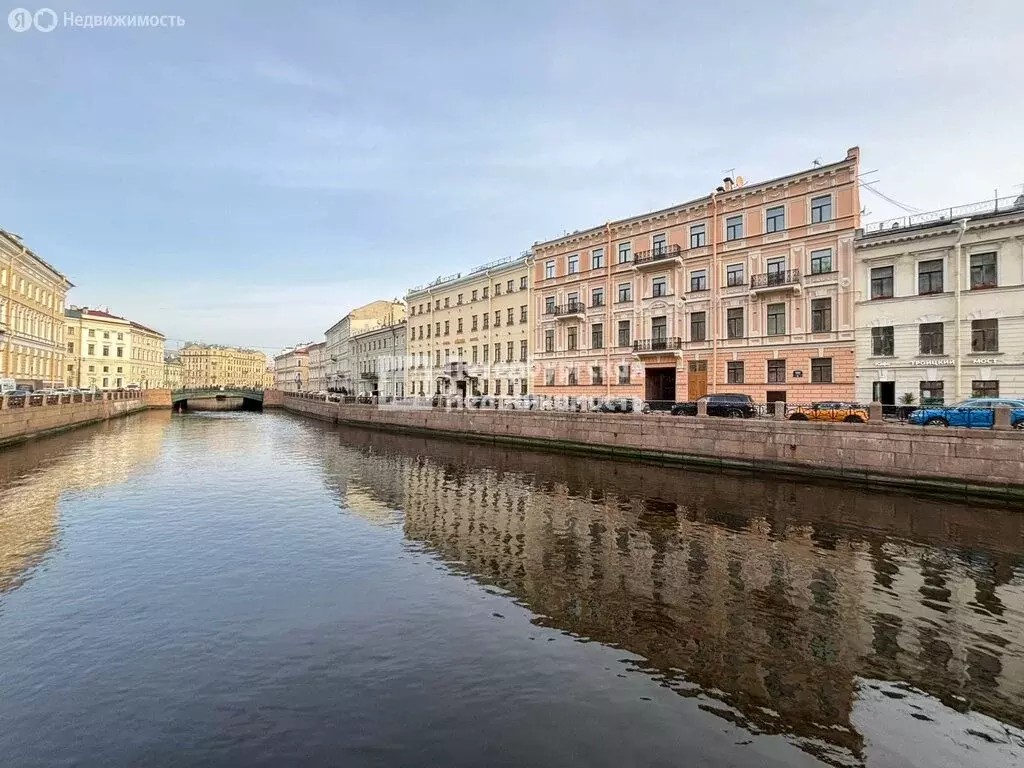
(745, 290)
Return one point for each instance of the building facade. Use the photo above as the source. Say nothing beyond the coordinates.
(174, 371)
(99, 353)
(940, 315)
(32, 296)
(472, 334)
(213, 365)
(317, 369)
(147, 357)
(269, 378)
(338, 368)
(291, 369)
(378, 361)
(746, 290)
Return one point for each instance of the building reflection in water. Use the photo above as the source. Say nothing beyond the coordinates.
(34, 476)
(769, 602)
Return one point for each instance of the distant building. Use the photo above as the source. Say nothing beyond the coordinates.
(147, 357)
(32, 295)
(268, 378)
(174, 373)
(317, 371)
(940, 309)
(337, 363)
(378, 360)
(107, 351)
(214, 365)
(291, 369)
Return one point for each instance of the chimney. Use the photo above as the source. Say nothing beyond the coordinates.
(727, 183)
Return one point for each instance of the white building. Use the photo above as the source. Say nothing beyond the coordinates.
(378, 360)
(291, 369)
(338, 370)
(317, 368)
(940, 310)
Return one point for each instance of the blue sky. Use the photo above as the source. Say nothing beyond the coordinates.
(251, 176)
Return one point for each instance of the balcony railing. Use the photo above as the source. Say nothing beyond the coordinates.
(773, 279)
(570, 308)
(658, 345)
(946, 215)
(657, 254)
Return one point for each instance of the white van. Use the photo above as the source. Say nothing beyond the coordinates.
(7, 385)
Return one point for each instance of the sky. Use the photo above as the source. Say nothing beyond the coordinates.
(251, 176)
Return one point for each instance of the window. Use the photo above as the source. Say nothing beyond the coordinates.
(549, 340)
(931, 338)
(497, 289)
(485, 289)
(776, 319)
(497, 386)
(487, 320)
(698, 236)
(932, 392)
(734, 323)
(458, 299)
(984, 336)
(699, 280)
(982, 388)
(522, 314)
(597, 336)
(821, 370)
(120, 351)
(624, 373)
(446, 302)
(882, 343)
(776, 371)
(437, 329)
(473, 352)
(522, 351)
(510, 351)
(574, 264)
(597, 297)
(106, 369)
(458, 328)
(625, 338)
(106, 351)
(497, 318)
(549, 270)
(774, 219)
(659, 328)
(625, 252)
(821, 209)
(659, 287)
(821, 261)
(549, 305)
(510, 318)
(929, 277)
(473, 296)
(92, 333)
(497, 353)
(549, 377)
(734, 227)
(509, 287)
(659, 244)
(821, 315)
(698, 326)
(447, 327)
(473, 323)
(487, 353)
(595, 375)
(983, 271)
(71, 346)
(734, 274)
(734, 372)
(572, 377)
(881, 283)
(597, 258)
(522, 285)
(486, 385)
(106, 334)
(625, 292)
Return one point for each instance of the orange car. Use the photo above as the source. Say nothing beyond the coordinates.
(830, 411)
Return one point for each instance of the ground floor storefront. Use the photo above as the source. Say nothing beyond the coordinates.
(928, 382)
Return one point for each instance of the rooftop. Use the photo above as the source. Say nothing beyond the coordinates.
(997, 206)
(491, 265)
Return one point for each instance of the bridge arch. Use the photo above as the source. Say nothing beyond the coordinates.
(218, 399)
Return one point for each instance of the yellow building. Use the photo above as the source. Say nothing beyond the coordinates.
(32, 295)
(213, 365)
(98, 349)
(174, 375)
(268, 378)
(471, 334)
(147, 351)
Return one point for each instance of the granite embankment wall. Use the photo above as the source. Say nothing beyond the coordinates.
(26, 418)
(986, 463)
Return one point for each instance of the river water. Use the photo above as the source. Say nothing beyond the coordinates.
(256, 589)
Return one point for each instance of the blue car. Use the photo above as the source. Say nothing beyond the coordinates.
(976, 412)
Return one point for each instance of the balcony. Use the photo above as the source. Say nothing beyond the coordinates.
(665, 256)
(657, 346)
(564, 311)
(775, 281)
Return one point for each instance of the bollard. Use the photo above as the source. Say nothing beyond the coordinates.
(779, 410)
(702, 407)
(875, 412)
(1001, 417)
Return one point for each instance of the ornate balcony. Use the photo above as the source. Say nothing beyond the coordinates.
(775, 281)
(572, 309)
(658, 346)
(665, 256)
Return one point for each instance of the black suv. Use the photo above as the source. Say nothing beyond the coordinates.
(727, 405)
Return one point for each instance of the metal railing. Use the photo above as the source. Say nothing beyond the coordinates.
(772, 279)
(33, 400)
(657, 345)
(569, 308)
(983, 208)
(657, 254)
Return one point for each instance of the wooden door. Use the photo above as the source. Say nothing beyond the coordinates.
(696, 379)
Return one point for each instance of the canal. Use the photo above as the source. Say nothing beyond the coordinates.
(242, 589)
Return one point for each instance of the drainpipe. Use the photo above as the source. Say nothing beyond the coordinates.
(608, 312)
(958, 332)
(715, 309)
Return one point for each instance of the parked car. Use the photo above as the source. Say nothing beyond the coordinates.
(624, 405)
(523, 403)
(830, 411)
(730, 406)
(976, 412)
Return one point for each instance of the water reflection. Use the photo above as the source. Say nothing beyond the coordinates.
(779, 606)
(76, 461)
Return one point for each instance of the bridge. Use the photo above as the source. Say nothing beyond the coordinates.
(251, 399)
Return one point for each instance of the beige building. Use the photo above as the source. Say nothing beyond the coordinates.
(317, 370)
(291, 369)
(214, 365)
(147, 357)
(98, 349)
(338, 369)
(32, 295)
(471, 334)
(268, 378)
(378, 361)
(174, 372)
